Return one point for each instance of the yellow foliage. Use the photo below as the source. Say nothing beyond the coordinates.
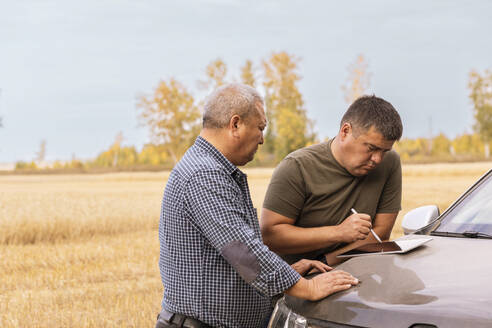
(468, 144)
(25, 166)
(357, 81)
(288, 126)
(412, 148)
(480, 86)
(440, 146)
(247, 74)
(291, 129)
(215, 73)
(172, 117)
(153, 155)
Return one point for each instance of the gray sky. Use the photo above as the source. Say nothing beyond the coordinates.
(71, 71)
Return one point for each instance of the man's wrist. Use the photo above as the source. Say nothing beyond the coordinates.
(303, 288)
(333, 234)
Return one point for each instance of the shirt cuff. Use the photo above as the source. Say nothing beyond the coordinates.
(278, 281)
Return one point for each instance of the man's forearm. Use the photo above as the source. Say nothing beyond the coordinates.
(384, 224)
(301, 289)
(290, 239)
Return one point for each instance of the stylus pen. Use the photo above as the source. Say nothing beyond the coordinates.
(372, 231)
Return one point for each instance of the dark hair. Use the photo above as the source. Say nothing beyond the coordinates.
(228, 100)
(369, 111)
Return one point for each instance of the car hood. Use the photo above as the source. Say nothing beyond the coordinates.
(445, 282)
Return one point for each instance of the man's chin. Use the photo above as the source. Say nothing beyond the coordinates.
(361, 171)
(246, 161)
(252, 156)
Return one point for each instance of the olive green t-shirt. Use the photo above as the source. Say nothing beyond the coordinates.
(312, 188)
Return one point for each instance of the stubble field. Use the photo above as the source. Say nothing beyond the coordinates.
(82, 250)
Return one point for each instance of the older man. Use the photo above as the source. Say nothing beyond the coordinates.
(307, 210)
(214, 266)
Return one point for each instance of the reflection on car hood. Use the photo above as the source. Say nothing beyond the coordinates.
(446, 282)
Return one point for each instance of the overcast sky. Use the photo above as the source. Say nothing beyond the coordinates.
(71, 71)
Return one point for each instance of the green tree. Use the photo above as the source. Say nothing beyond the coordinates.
(358, 79)
(172, 117)
(288, 126)
(247, 74)
(480, 87)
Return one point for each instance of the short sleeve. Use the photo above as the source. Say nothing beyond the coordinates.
(390, 200)
(286, 192)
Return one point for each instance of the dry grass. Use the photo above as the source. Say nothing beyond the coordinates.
(81, 250)
(102, 282)
(47, 208)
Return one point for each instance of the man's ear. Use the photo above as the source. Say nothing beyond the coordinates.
(345, 130)
(234, 124)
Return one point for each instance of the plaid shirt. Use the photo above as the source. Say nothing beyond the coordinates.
(213, 263)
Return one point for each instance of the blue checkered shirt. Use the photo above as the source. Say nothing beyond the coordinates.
(213, 263)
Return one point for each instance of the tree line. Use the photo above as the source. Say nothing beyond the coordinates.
(173, 118)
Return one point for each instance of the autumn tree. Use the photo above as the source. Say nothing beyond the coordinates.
(114, 150)
(172, 117)
(215, 75)
(247, 74)
(288, 125)
(41, 154)
(480, 86)
(441, 146)
(358, 79)
(469, 145)
(153, 155)
(117, 155)
(412, 148)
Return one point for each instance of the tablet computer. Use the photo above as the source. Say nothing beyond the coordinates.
(386, 247)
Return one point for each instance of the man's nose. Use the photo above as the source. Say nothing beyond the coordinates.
(377, 157)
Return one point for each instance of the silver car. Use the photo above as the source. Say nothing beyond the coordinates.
(447, 282)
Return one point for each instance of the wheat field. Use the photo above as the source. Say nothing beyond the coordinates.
(82, 250)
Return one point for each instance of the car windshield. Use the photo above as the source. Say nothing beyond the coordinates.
(473, 212)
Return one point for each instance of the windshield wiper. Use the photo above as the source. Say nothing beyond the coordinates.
(466, 234)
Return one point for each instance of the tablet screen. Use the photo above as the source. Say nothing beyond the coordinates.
(385, 246)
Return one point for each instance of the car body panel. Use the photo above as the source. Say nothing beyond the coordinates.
(445, 282)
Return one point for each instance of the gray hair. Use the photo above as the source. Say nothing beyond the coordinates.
(369, 111)
(227, 101)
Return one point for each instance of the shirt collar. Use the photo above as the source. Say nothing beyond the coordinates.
(232, 169)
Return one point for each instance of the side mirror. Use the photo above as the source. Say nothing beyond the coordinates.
(419, 218)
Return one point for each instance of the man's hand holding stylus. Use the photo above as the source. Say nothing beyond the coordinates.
(355, 227)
